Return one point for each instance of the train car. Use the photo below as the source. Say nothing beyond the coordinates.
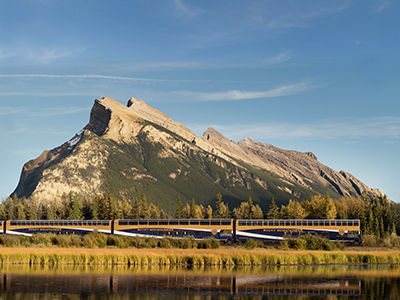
(347, 231)
(79, 227)
(2, 227)
(221, 229)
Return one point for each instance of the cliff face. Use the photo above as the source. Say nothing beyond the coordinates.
(136, 148)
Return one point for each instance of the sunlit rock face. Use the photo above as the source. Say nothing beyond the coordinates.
(134, 148)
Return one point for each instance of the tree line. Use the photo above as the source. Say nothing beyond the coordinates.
(379, 216)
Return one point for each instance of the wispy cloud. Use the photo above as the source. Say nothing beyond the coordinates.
(12, 110)
(182, 10)
(38, 54)
(58, 111)
(284, 90)
(6, 53)
(348, 129)
(45, 56)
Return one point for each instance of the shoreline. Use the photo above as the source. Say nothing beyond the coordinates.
(191, 257)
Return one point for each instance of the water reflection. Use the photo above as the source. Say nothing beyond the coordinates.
(292, 282)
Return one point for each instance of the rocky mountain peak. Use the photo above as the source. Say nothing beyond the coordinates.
(110, 119)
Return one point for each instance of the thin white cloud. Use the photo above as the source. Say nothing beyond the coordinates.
(182, 10)
(38, 54)
(58, 111)
(5, 53)
(281, 58)
(12, 110)
(348, 129)
(284, 90)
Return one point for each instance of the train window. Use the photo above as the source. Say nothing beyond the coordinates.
(160, 233)
(326, 223)
(163, 222)
(168, 233)
(226, 222)
(205, 222)
(215, 222)
(184, 222)
(194, 222)
(197, 233)
(185, 232)
(133, 222)
(351, 223)
(333, 223)
(173, 222)
(176, 233)
(281, 223)
(344, 223)
(356, 223)
(259, 223)
(123, 222)
(153, 222)
(143, 222)
(106, 223)
(242, 223)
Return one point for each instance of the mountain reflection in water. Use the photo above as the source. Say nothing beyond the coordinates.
(292, 282)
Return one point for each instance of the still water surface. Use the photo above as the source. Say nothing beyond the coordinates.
(291, 282)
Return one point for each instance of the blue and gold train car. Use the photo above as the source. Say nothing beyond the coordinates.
(2, 227)
(79, 227)
(278, 230)
(221, 229)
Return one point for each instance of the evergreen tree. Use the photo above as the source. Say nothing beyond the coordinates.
(96, 207)
(186, 211)
(10, 209)
(144, 210)
(251, 208)
(3, 214)
(20, 212)
(329, 207)
(192, 214)
(208, 212)
(163, 215)
(273, 212)
(135, 208)
(87, 208)
(125, 209)
(75, 212)
(178, 209)
(114, 207)
(154, 211)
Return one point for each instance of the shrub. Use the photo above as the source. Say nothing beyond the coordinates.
(62, 240)
(209, 243)
(165, 242)
(10, 240)
(313, 242)
(43, 239)
(370, 240)
(251, 244)
(188, 242)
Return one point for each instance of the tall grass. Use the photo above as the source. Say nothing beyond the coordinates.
(188, 257)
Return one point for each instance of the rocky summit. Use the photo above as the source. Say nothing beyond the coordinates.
(135, 149)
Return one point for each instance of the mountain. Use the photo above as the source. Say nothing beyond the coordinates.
(135, 149)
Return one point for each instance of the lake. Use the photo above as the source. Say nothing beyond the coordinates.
(176, 282)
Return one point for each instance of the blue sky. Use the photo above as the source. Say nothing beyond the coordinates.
(319, 76)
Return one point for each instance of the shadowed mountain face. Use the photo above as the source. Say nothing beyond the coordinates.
(135, 149)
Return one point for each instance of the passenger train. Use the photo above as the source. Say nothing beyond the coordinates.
(226, 230)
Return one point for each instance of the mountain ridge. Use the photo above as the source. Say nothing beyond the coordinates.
(115, 129)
